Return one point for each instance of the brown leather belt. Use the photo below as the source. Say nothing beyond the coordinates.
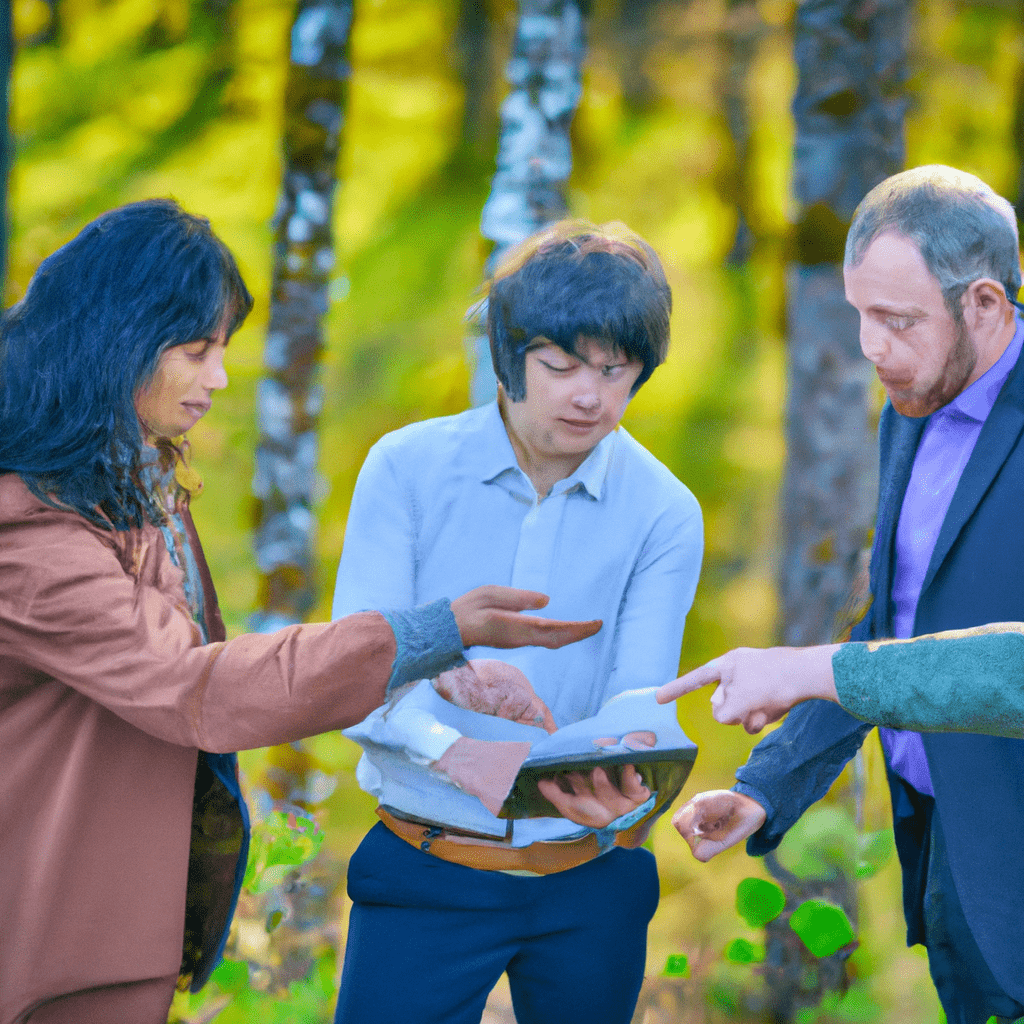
(543, 858)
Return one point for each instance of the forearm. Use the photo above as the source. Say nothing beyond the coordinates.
(331, 675)
(962, 681)
(795, 765)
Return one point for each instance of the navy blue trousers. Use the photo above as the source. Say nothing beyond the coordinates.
(967, 990)
(428, 940)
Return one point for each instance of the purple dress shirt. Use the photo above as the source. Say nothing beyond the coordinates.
(946, 445)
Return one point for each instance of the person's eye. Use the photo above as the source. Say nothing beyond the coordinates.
(197, 350)
(613, 370)
(553, 368)
(899, 323)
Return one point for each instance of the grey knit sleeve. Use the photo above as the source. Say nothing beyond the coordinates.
(427, 641)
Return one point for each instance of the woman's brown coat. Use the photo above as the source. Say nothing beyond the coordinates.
(106, 695)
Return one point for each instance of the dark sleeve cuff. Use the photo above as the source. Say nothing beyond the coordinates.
(427, 641)
(762, 841)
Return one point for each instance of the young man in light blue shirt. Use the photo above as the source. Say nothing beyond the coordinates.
(541, 490)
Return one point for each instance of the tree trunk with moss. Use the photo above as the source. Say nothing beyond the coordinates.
(473, 53)
(1018, 116)
(534, 149)
(744, 30)
(849, 111)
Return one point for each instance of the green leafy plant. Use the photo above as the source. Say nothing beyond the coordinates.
(743, 951)
(759, 901)
(677, 966)
(822, 927)
(281, 842)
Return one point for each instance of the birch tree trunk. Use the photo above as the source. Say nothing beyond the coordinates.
(534, 149)
(849, 111)
(290, 396)
(299, 913)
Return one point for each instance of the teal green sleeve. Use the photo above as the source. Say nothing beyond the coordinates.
(962, 681)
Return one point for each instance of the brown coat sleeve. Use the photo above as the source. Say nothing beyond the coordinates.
(104, 613)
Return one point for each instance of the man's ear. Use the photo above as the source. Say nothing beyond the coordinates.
(985, 304)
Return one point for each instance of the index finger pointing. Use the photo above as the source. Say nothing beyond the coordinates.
(694, 680)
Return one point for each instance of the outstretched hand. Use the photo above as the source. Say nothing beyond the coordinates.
(490, 617)
(712, 822)
(493, 687)
(756, 687)
(594, 800)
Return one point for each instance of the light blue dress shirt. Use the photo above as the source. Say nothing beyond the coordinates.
(441, 507)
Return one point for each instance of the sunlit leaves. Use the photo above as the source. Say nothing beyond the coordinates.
(230, 975)
(759, 901)
(822, 844)
(31, 17)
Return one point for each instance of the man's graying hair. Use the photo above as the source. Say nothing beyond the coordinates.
(963, 230)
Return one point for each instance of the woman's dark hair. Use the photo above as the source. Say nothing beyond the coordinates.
(88, 335)
(576, 280)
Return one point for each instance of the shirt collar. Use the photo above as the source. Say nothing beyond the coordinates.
(975, 402)
(496, 456)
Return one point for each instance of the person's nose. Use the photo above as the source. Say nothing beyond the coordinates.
(215, 377)
(588, 396)
(873, 343)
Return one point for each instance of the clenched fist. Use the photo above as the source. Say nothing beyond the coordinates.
(712, 822)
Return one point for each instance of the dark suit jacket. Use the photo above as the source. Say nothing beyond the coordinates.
(976, 575)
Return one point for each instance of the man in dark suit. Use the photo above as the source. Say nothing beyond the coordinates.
(932, 266)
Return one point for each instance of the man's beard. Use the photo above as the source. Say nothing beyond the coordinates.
(956, 371)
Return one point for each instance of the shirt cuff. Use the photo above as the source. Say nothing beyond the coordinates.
(755, 794)
(606, 835)
(420, 735)
(427, 641)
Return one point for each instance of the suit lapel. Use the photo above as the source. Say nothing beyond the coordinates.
(998, 436)
(899, 440)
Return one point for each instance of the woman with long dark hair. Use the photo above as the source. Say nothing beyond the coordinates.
(123, 834)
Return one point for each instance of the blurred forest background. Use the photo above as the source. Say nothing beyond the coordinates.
(685, 130)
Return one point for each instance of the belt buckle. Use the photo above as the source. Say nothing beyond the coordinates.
(430, 834)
